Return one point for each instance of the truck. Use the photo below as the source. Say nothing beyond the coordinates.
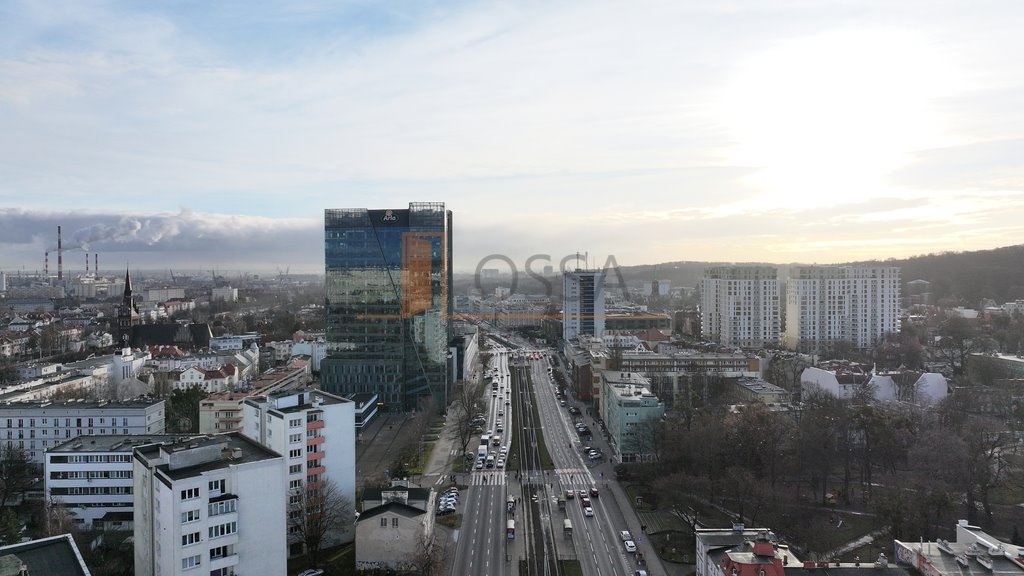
(481, 452)
(496, 440)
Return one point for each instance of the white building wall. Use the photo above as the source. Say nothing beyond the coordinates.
(740, 306)
(79, 480)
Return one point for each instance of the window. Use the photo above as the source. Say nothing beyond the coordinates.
(217, 486)
(295, 484)
(295, 453)
(220, 552)
(190, 516)
(189, 539)
(295, 423)
(295, 468)
(394, 522)
(191, 562)
(294, 438)
(190, 493)
(222, 507)
(223, 529)
(383, 522)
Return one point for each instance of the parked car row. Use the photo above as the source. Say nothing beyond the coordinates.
(447, 501)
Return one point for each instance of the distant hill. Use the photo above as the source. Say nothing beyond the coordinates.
(964, 277)
(967, 277)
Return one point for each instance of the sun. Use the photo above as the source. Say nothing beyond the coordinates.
(826, 118)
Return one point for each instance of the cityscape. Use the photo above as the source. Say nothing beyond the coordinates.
(511, 289)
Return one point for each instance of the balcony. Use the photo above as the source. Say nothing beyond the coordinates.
(317, 425)
(315, 441)
(315, 455)
(317, 470)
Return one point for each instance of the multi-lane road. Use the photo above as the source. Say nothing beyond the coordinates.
(483, 547)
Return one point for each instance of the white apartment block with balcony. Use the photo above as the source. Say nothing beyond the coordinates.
(315, 431)
(740, 306)
(583, 310)
(222, 411)
(91, 476)
(828, 304)
(38, 425)
(209, 506)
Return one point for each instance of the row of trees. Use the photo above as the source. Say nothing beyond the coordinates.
(917, 469)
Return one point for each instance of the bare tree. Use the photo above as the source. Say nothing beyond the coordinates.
(958, 339)
(317, 511)
(429, 556)
(16, 473)
(469, 403)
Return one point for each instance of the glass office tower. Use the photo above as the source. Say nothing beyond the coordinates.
(388, 302)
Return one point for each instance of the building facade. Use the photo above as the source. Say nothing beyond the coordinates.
(91, 477)
(630, 411)
(740, 306)
(583, 312)
(315, 431)
(859, 305)
(389, 299)
(209, 505)
(36, 426)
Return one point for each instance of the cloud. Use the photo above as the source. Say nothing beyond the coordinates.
(185, 238)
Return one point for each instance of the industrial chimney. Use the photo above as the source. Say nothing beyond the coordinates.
(46, 265)
(60, 257)
(86, 263)
(96, 264)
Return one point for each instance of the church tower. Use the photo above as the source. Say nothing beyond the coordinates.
(127, 314)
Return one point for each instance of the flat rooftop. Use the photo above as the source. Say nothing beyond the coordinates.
(111, 443)
(215, 446)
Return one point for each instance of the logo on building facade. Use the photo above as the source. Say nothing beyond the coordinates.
(389, 216)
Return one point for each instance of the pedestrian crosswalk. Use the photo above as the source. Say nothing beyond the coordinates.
(488, 478)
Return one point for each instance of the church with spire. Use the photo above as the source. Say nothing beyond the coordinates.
(127, 313)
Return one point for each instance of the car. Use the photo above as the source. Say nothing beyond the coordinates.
(479, 465)
(593, 492)
(494, 394)
(594, 456)
(588, 511)
(585, 501)
(630, 546)
(625, 535)
(503, 450)
(569, 494)
(640, 573)
(501, 412)
(501, 463)
(507, 402)
(583, 493)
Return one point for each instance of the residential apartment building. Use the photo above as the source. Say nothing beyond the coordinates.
(583, 310)
(828, 304)
(389, 300)
(630, 412)
(740, 306)
(91, 476)
(209, 505)
(315, 431)
(222, 411)
(35, 426)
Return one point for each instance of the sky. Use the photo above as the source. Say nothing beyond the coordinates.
(199, 135)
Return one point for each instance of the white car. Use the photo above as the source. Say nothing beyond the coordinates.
(625, 535)
(588, 511)
(630, 546)
(501, 463)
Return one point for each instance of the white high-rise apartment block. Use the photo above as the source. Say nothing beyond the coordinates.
(583, 306)
(740, 306)
(315, 431)
(827, 304)
(209, 505)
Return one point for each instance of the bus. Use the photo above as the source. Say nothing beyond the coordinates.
(485, 440)
(567, 528)
(510, 529)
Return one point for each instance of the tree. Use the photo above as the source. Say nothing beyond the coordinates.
(10, 527)
(316, 511)
(958, 339)
(8, 371)
(468, 404)
(16, 473)
(429, 557)
(182, 412)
